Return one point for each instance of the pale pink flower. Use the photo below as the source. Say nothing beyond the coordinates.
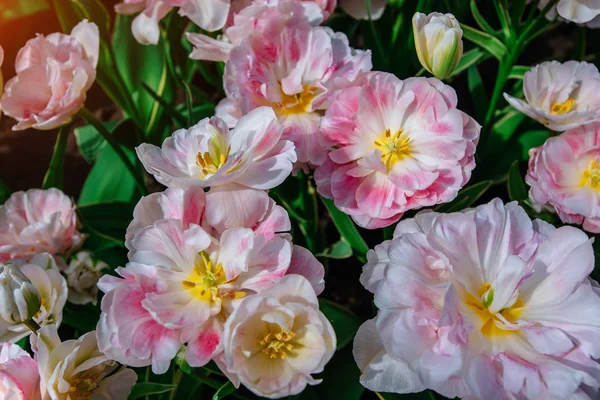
(560, 96)
(77, 369)
(564, 175)
(358, 9)
(210, 15)
(482, 304)
(45, 278)
(19, 377)
(82, 276)
(193, 257)
(248, 17)
(209, 154)
(579, 11)
(292, 67)
(54, 74)
(395, 146)
(275, 341)
(38, 221)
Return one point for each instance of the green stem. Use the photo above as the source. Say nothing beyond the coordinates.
(177, 375)
(92, 120)
(32, 325)
(55, 174)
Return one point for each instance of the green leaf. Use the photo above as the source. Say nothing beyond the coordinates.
(347, 229)
(66, 14)
(345, 323)
(486, 41)
(83, 317)
(425, 395)
(56, 170)
(224, 391)
(143, 389)
(530, 140)
(516, 187)
(340, 378)
(89, 140)
(518, 7)
(5, 192)
(480, 97)
(339, 250)
(471, 57)
(466, 197)
(518, 71)
(483, 24)
(94, 11)
(109, 218)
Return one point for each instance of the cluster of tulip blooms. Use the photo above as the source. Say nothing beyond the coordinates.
(483, 303)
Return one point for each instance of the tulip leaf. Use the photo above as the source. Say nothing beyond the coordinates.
(345, 323)
(488, 42)
(483, 24)
(56, 170)
(477, 89)
(94, 11)
(518, 71)
(224, 391)
(143, 389)
(83, 317)
(339, 250)
(471, 57)
(530, 140)
(466, 197)
(347, 229)
(108, 218)
(66, 14)
(340, 378)
(89, 140)
(516, 187)
(5, 192)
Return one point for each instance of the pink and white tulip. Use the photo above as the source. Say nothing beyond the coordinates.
(210, 15)
(38, 221)
(275, 341)
(291, 67)
(560, 96)
(482, 304)
(54, 74)
(77, 369)
(209, 154)
(252, 16)
(192, 260)
(45, 278)
(564, 176)
(19, 377)
(395, 146)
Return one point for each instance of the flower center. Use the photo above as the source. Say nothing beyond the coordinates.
(298, 103)
(394, 147)
(491, 323)
(205, 279)
(563, 108)
(278, 345)
(591, 176)
(83, 387)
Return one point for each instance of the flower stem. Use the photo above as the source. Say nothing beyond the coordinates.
(92, 120)
(32, 325)
(177, 375)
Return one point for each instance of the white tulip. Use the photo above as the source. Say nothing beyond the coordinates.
(19, 300)
(82, 275)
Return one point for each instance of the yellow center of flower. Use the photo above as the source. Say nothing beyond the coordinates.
(278, 345)
(563, 108)
(210, 164)
(204, 280)
(82, 387)
(591, 176)
(394, 147)
(479, 306)
(298, 103)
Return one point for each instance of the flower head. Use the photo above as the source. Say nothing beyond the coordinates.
(54, 74)
(38, 221)
(560, 96)
(292, 68)
(395, 146)
(19, 299)
(82, 275)
(42, 278)
(19, 377)
(275, 341)
(438, 40)
(564, 176)
(209, 154)
(77, 369)
(578, 11)
(482, 304)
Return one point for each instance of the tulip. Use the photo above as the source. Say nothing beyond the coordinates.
(438, 39)
(19, 300)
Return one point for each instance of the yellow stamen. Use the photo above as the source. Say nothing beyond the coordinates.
(563, 108)
(278, 345)
(591, 176)
(394, 147)
(298, 103)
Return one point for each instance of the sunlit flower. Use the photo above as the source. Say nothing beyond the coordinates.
(251, 17)
(560, 96)
(359, 9)
(210, 15)
(291, 67)
(275, 341)
(19, 377)
(438, 40)
(47, 281)
(482, 304)
(209, 154)
(82, 275)
(54, 74)
(77, 369)
(564, 175)
(395, 146)
(38, 221)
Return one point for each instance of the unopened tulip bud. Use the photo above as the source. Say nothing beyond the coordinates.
(19, 300)
(438, 39)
